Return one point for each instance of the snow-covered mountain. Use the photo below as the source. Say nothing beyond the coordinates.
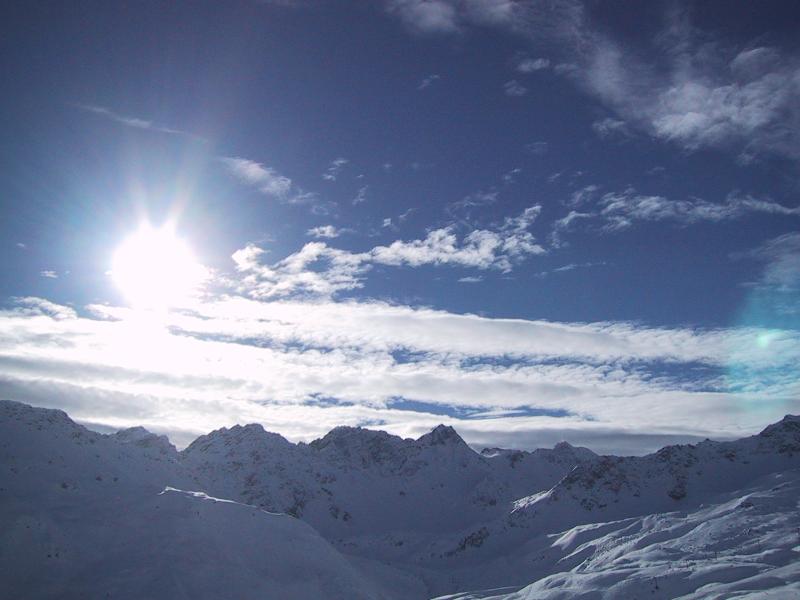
(245, 513)
(741, 544)
(85, 515)
(355, 483)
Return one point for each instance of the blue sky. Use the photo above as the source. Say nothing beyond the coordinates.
(533, 220)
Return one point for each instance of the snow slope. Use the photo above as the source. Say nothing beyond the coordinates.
(607, 490)
(363, 514)
(372, 491)
(91, 516)
(744, 544)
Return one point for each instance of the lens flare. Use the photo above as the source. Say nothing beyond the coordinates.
(764, 362)
(155, 269)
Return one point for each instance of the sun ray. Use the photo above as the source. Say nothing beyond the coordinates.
(155, 269)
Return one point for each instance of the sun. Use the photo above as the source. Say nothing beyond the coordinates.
(155, 269)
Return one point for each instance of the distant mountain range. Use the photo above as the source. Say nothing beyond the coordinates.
(244, 513)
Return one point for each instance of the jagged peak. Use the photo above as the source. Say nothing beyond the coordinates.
(143, 438)
(441, 435)
(346, 435)
(132, 434)
(14, 407)
(252, 433)
(789, 424)
(576, 452)
(11, 409)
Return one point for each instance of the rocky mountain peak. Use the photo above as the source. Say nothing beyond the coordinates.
(441, 435)
(248, 436)
(143, 438)
(790, 424)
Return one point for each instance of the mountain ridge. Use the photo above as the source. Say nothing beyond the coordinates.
(393, 517)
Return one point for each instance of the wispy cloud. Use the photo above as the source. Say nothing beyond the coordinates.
(482, 249)
(609, 128)
(320, 270)
(271, 183)
(49, 274)
(571, 267)
(696, 91)
(511, 176)
(538, 148)
(781, 256)
(699, 93)
(361, 195)
(583, 195)
(565, 224)
(622, 209)
(514, 88)
(325, 231)
(134, 122)
(428, 81)
(539, 19)
(615, 211)
(463, 209)
(267, 179)
(231, 359)
(436, 16)
(531, 65)
(403, 216)
(334, 169)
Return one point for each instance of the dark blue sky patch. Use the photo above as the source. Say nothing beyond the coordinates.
(464, 412)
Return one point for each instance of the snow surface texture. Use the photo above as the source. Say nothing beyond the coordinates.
(243, 513)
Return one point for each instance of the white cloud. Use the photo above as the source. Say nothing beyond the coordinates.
(134, 122)
(361, 195)
(782, 258)
(320, 270)
(470, 279)
(268, 181)
(531, 65)
(608, 127)
(315, 270)
(615, 211)
(621, 209)
(231, 359)
(324, 231)
(406, 214)
(271, 183)
(49, 274)
(428, 81)
(334, 169)
(543, 20)
(698, 93)
(511, 176)
(464, 208)
(537, 148)
(583, 195)
(571, 267)
(481, 249)
(514, 88)
(427, 16)
(564, 224)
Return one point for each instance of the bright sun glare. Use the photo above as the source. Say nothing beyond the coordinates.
(155, 269)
